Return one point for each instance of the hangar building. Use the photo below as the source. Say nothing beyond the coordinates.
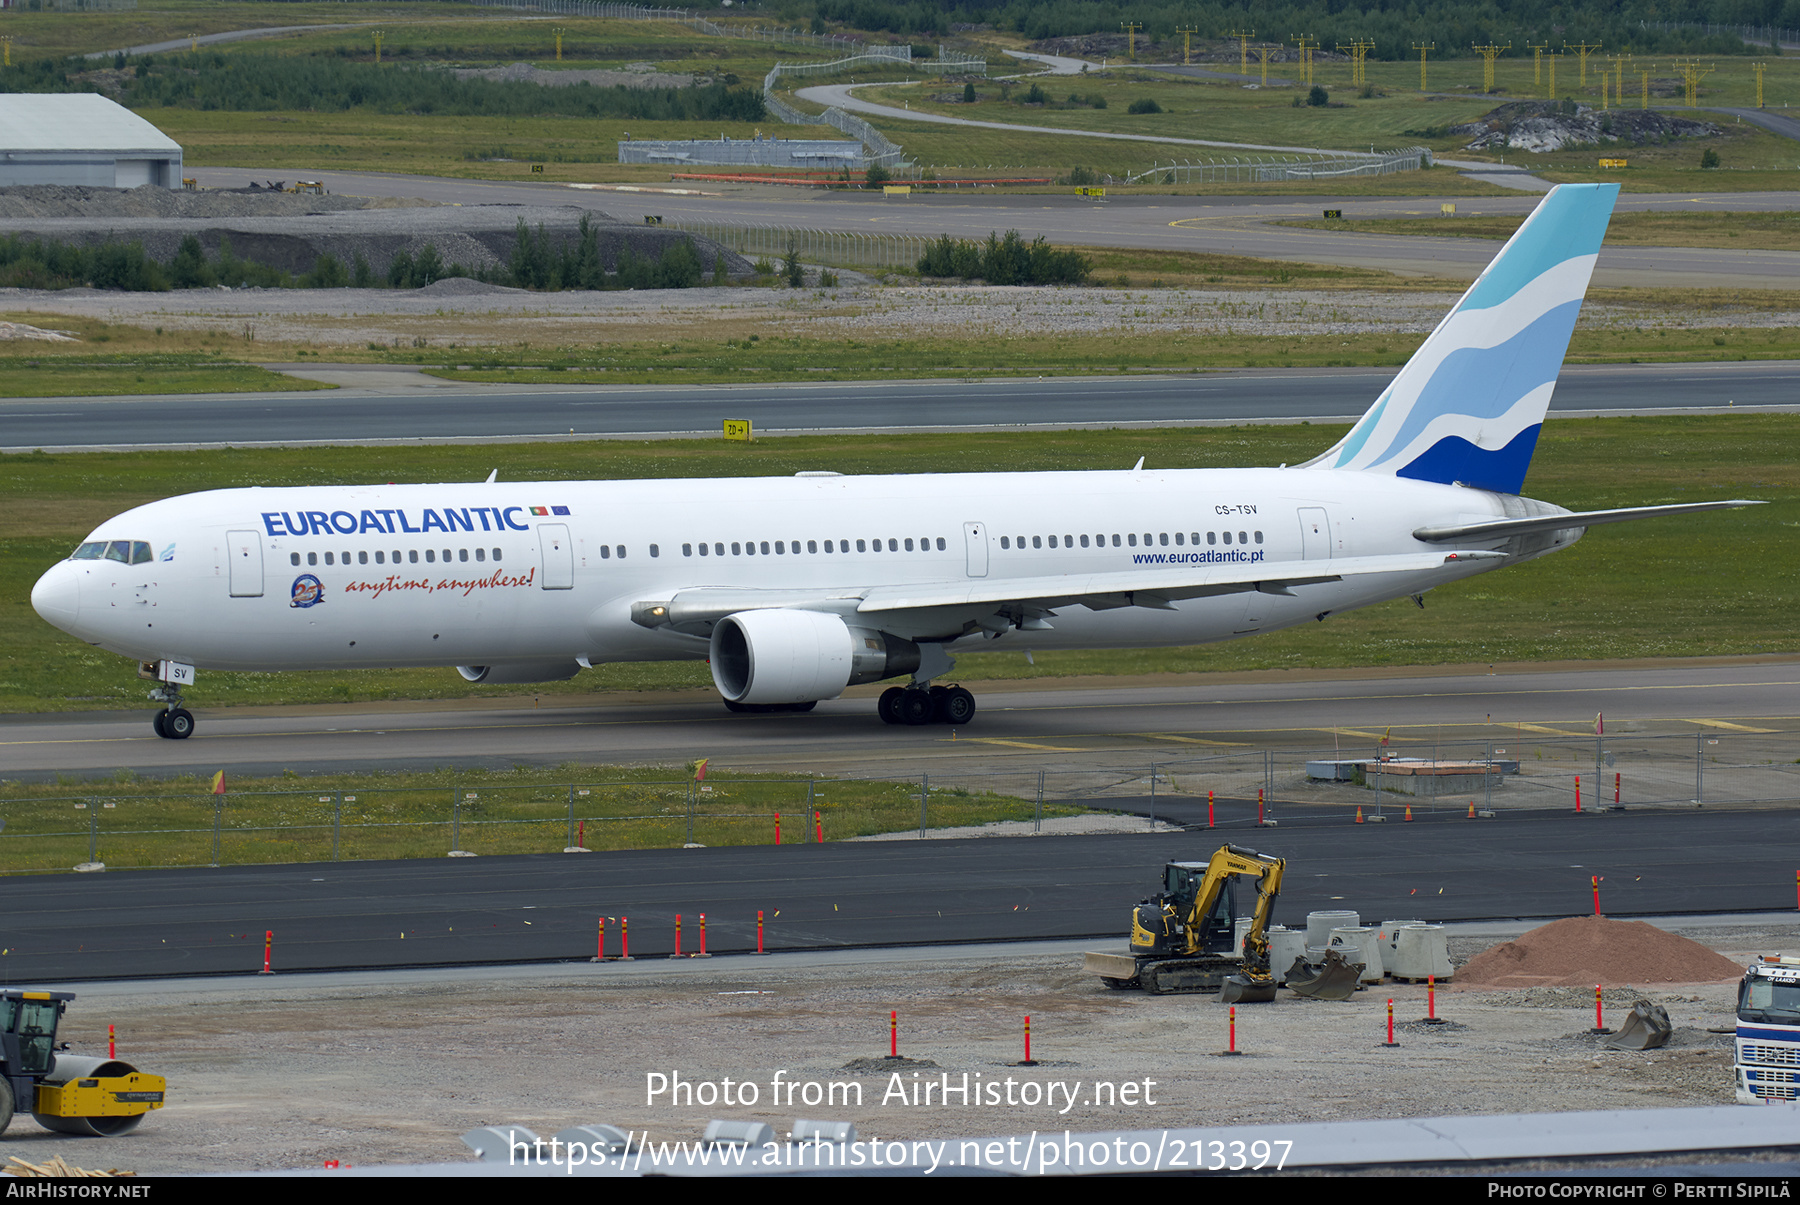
(82, 138)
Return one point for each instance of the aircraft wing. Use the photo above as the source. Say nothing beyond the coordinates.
(694, 611)
(1501, 528)
(1154, 588)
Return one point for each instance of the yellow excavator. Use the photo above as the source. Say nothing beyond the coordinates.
(1181, 939)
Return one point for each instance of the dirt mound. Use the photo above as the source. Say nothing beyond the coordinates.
(1585, 950)
(1548, 125)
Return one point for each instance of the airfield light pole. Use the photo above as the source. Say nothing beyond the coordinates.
(1243, 38)
(1307, 44)
(1359, 54)
(6, 46)
(1263, 52)
(1759, 68)
(1423, 48)
(1131, 28)
(1537, 63)
(378, 47)
(1553, 56)
(1645, 76)
(559, 31)
(1187, 32)
(1488, 54)
(1582, 49)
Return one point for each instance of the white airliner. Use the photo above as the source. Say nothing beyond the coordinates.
(795, 588)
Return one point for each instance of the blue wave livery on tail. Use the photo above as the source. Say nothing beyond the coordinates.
(1468, 406)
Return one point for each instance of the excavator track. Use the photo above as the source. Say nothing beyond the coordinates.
(1187, 975)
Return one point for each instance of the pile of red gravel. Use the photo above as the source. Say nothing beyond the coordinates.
(1586, 950)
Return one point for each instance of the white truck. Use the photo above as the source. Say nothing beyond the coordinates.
(1768, 1031)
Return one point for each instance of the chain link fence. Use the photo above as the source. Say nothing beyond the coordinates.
(1224, 789)
(836, 248)
(1272, 169)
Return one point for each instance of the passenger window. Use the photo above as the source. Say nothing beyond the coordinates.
(655, 550)
(1115, 539)
(688, 549)
(605, 552)
(430, 556)
(1228, 537)
(312, 558)
(909, 544)
(1163, 539)
(719, 550)
(1178, 538)
(1004, 543)
(1131, 539)
(780, 548)
(1259, 537)
(765, 548)
(859, 546)
(328, 559)
(1084, 543)
(362, 558)
(1037, 541)
(462, 554)
(893, 545)
(412, 556)
(812, 546)
(480, 554)
(1243, 537)
(293, 558)
(704, 550)
(621, 551)
(940, 541)
(496, 554)
(749, 548)
(1053, 541)
(1068, 541)
(1212, 538)
(380, 557)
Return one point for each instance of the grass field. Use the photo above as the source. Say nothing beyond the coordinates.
(129, 822)
(1776, 231)
(1702, 584)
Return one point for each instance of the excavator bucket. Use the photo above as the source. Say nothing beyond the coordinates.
(1646, 1027)
(1332, 979)
(1241, 989)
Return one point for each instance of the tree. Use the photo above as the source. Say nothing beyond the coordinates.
(1709, 158)
(791, 271)
(969, 93)
(1318, 98)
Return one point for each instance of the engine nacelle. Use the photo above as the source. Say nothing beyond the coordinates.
(792, 656)
(518, 672)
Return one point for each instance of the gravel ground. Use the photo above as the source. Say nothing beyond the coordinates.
(467, 314)
(287, 1073)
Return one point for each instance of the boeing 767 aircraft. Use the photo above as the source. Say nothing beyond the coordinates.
(795, 588)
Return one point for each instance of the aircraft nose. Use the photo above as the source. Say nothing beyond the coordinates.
(57, 596)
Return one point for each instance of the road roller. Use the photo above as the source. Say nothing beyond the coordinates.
(67, 1093)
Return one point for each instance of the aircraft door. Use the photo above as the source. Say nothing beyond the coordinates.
(1315, 534)
(558, 556)
(975, 540)
(244, 550)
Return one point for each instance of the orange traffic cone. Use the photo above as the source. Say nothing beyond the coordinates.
(1359, 818)
(1409, 813)
(1471, 809)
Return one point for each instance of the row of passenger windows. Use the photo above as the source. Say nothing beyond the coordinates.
(792, 547)
(1130, 539)
(412, 557)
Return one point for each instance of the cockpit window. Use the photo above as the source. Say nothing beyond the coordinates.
(126, 552)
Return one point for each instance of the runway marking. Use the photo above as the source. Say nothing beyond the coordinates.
(1187, 740)
(1731, 727)
(991, 740)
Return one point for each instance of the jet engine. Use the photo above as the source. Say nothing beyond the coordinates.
(791, 656)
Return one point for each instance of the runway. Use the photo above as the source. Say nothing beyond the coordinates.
(375, 404)
(451, 912)
(1130, 722)
(1223, 225)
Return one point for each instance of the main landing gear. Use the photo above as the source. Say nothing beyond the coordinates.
(917, 705)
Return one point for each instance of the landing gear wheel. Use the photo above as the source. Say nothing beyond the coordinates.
(915, 707)
(888, 706)
(178, 724)
(156, 722)
(956, 706)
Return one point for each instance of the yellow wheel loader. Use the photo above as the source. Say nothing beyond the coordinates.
(68, 1093)
(1181, 939)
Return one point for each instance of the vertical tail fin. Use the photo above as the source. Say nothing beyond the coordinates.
(1468, 405)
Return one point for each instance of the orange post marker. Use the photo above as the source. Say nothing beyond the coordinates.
(677, 953)
(818, 827)
(1209, 810)
(1431, 997)
(112, 1051)
(1028, 1061)
(625, 940)
(778, 828)
(1616, 778)
(1596, 879)
(1578, 792)
(759, 932)
(1599, 1016)
(1390, 1038)
(1259, 805)
(268, 945)
(1232, 1048)
(600, 948)
(703, 953)
(894, 1034)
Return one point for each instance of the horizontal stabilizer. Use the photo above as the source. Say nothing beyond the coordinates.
(1501, 528)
